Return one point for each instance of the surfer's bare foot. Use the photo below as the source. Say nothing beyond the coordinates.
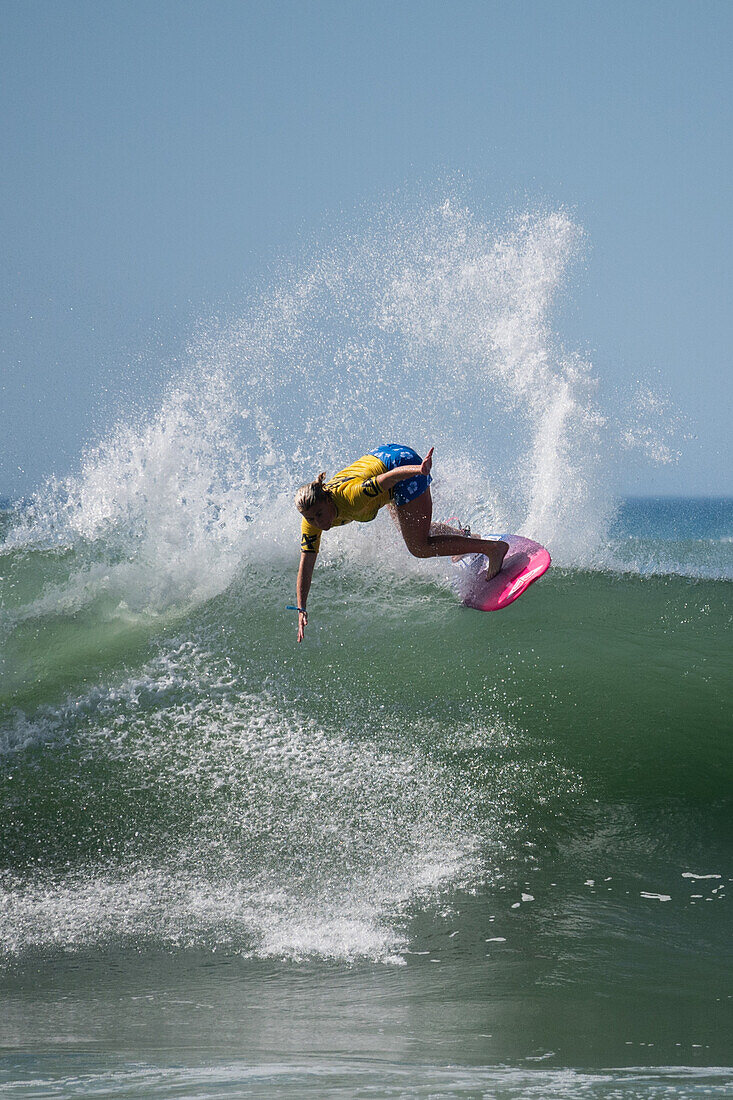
(496, 558)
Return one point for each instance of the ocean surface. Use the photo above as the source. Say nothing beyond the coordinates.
(430, 852)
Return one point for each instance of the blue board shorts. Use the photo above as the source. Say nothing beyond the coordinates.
(396, 454)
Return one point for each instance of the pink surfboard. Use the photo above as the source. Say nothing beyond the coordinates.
(524, 563)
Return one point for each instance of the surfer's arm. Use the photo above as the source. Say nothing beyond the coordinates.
(390, 478)
(302, 588)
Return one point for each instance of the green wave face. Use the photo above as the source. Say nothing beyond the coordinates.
(222, 779)
(533, 805)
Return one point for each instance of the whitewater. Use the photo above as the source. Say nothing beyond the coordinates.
(429, 852)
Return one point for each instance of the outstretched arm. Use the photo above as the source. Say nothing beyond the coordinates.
(302, 588)
(390, 478)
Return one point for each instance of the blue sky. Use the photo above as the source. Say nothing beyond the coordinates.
(159, 156)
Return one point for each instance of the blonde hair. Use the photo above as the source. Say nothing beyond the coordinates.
(308, 496)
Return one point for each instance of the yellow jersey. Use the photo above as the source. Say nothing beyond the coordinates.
(356, 495)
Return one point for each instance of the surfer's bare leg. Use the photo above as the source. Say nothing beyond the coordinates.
(437, 529)
(427, 540)
(446, 529)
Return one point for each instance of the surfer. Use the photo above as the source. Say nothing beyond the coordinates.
(394, 475)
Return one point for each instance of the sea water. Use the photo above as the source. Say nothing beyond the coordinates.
(429, 852)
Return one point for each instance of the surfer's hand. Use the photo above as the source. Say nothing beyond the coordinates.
(302, 624)
(427, 462)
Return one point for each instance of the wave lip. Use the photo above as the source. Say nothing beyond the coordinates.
(322, 367)
(169, 507)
